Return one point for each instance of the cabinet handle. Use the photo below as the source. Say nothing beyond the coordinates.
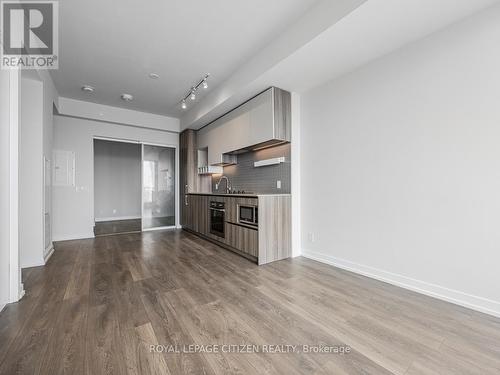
(186, 200)
(186, 189)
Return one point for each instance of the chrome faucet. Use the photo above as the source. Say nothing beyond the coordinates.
(228, 184)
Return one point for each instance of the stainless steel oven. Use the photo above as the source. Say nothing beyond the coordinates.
(248, 214)
(217, 218)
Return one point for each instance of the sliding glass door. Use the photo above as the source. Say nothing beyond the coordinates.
(158, 187)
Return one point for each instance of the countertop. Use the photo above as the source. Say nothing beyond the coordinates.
(249, 195)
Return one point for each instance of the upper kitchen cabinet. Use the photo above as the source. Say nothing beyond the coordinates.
(262, 121)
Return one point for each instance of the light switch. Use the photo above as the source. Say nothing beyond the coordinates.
(278, 184)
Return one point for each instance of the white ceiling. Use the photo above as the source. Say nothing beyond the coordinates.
(372, 29)
(114, 45)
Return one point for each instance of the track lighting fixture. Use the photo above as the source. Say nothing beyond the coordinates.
(127, 97)
(88, 88)
(192, 92)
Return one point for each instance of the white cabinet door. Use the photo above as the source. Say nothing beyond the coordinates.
(248, 125)
(261, 117)
(236, 133)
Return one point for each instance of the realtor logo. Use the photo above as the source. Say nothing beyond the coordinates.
(29, 34)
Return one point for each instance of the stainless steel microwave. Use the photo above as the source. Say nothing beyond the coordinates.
(248, 214)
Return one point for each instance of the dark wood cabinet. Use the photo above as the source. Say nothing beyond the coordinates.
(268, 242)
(243, 239)
(190, 181)
(198, 216)
(188, 175)
(232, 207)
(203, 215)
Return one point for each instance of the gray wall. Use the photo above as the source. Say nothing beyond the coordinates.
(261, 180)
(117, 180)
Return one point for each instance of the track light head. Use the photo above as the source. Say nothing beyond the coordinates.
(88, 88)
(191, 94)
(127, 97)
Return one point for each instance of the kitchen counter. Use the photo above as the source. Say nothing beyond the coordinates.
(247, 195)
(265, 242)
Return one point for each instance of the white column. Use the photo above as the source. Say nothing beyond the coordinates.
(295, 151)
(16, 287)
(10, 273)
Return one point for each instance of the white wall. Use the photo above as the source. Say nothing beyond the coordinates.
(10, 272)
(401, 166)
(73, 207)
(50, 99)
(31, 174)
(37, 101)
(117, 180)
(4, 188)
(296, 176)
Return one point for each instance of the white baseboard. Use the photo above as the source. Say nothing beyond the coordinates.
(30, 265)
(159, 228)
(48, 253)
(22, 292)
(69, 237)
(98, 220)
(2, 305)
(477, 303)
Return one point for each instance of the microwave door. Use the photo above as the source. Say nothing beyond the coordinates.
(247, 215)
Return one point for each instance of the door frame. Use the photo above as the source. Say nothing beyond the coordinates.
(142, 143)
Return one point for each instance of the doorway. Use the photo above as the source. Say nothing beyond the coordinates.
(134, 187)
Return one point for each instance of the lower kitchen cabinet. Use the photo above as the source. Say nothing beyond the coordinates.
(243, 239)
(187, 212)
(202, 214)
(196, 216)
(269, 242)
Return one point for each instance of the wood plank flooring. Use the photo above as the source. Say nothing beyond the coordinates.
(104, 228)
(99, 305)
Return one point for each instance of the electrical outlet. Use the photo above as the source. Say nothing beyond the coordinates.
(114, 211)
(278, 184)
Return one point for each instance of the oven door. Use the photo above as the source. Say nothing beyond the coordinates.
(217, 222)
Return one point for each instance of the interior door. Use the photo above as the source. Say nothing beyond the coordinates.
(158, 187)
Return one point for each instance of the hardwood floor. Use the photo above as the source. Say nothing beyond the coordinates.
(99, 304)
(104, 228)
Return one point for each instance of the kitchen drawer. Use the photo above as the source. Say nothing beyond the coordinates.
(243, 239)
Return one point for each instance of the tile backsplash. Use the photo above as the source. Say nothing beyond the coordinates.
(261, 180)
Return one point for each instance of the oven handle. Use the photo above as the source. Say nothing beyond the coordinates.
(217, 209)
